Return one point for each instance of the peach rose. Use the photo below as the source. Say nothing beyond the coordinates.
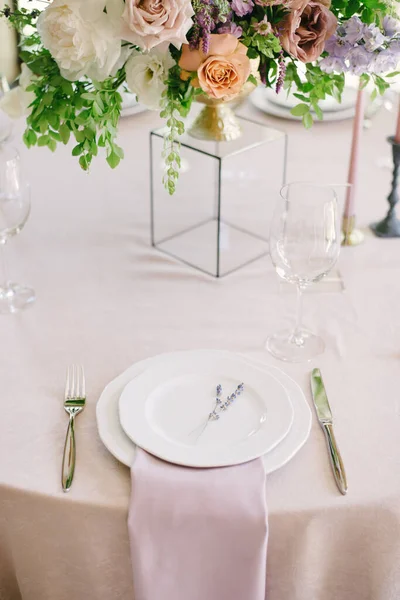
(223, 71)
(306, 28)
(149, 23)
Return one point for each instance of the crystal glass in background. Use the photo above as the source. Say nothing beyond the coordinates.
(304, 246)
(14, 212)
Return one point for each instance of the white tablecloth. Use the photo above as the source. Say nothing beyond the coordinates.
(107, 299)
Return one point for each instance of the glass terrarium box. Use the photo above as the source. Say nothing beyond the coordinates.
(218, 219)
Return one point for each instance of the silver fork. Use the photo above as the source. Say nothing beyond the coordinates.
(74, 403)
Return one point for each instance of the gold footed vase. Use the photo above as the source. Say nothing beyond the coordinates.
(217, 121)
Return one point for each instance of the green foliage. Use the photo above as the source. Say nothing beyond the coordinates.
(20, 18)
(267, 46)
(316, 86)
(88, 111)
(176, 102)
(370, 11)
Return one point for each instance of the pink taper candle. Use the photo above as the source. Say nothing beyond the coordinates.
(397, 136)
(354, 156)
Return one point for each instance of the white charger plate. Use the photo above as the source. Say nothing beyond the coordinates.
(164, 411)
(123, 449)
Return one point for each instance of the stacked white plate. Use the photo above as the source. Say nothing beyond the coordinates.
(162, 404)
(280, 105)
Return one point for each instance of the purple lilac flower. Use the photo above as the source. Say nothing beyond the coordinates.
(242, 7)
(373, 38)
(264, 27)
(391, 26)
(394, 47)
(360, 60)
(354, 29)
(337, 46)
(232, 28)
(206, 26)
(384, 62)
(333, 64)
(282, 73)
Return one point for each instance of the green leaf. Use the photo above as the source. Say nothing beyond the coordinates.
(113, 160)
(301, 97)
(89, 96)
(308, 120)
(66, 87)
(300, 110)
(118, 151)
(364, 80)
(65, 133)
(48, 98)
(336, 94)
(83, 161)
(54, 120)
(29, 137)
(318, 111)
(77, 150)
(252, 79)
(374, 94)
(43, 140)
(79, 135)
(98, 103)
(89, 133)
(52, 144)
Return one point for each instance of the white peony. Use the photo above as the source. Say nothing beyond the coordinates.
(15, 103)
(81, 37)
(146, 75)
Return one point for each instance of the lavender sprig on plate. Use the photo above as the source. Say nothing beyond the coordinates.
(220, 405)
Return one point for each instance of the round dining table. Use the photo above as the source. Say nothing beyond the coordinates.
(107, 299)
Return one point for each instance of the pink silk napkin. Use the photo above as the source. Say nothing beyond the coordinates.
(198, 534)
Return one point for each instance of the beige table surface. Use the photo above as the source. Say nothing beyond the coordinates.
(107, 299)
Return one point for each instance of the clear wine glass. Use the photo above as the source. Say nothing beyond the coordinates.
(14, 212)
(304, 246)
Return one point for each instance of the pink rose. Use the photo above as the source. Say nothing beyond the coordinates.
(305, 29)
(149, 23)
(223, 71)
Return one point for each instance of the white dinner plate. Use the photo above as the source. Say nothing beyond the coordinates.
(329, 104)
(164, 411)
(122, 448)
(261, 99)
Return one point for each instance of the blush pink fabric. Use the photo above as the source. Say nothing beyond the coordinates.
(198, 534)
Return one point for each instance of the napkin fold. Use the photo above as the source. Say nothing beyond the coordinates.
(198, 534)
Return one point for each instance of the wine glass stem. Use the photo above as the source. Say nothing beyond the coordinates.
(297, 337)
(4, 269)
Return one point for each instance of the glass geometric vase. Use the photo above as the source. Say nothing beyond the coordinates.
(218, 219)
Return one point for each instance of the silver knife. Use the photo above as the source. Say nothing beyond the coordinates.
(324, 415)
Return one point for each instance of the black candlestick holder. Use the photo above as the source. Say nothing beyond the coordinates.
(389, 227)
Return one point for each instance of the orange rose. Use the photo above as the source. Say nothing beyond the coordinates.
(223, 71)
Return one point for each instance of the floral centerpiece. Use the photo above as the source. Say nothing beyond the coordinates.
(78, 54)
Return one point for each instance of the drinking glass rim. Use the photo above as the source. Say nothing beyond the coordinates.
(313, 184)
